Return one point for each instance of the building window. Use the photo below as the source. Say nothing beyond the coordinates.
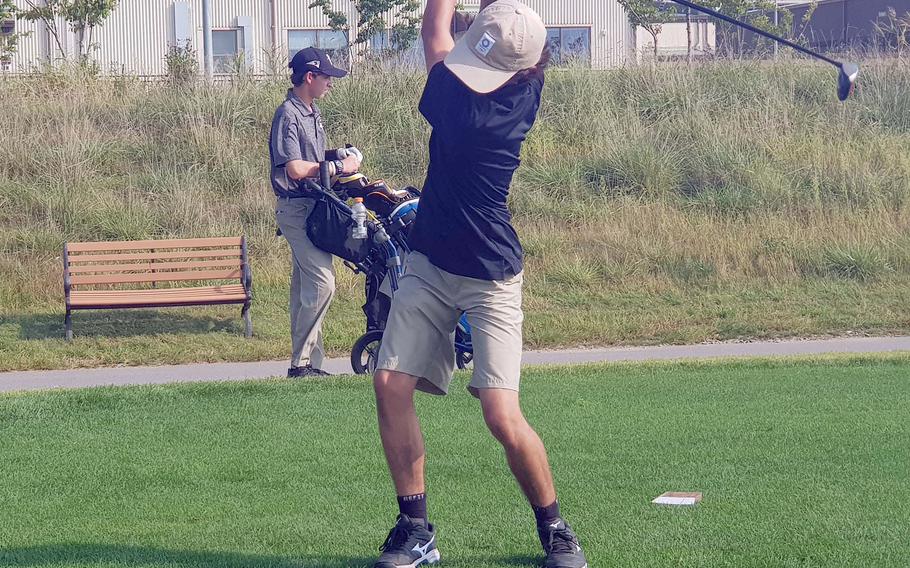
(461, 22)
(569, 45)
(334, 43)
(226, 49)
(384, 41)
(7, 27)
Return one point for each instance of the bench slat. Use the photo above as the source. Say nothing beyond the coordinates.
(226, 263)
(153, 244)
(158, 304)
(170, 255)
(158, 277)
(161, 292)
(188, 296)
(179, 292)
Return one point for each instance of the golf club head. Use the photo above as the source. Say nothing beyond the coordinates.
(846, 80)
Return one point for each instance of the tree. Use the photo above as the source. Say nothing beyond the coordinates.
(804, 21)
(371, 21)
(650, 15)
(759, 13)
(9, 39)
(82, 17)
(894, 32)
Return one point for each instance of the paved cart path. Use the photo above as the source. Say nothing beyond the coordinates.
(77, 378)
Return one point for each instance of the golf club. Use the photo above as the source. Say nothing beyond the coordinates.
(846, 79)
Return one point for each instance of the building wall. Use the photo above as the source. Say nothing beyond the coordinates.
(846, 22)
(32, 49)
(612, 39)
(138, 34)
(672, 40)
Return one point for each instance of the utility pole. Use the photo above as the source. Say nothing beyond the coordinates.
(207, 38)
(776, 2)
(689, 36)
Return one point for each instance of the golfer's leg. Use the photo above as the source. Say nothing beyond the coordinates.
(295, 306)
(416, 354)
(495, 314)
(399, 429)
(312, 285)
(316, 290)
(524, 450)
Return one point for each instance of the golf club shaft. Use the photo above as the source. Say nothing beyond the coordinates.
(753, 29)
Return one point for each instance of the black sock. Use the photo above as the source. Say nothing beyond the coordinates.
(546, 515)
(414, 506)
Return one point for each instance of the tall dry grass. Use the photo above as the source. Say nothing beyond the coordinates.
(650, 179)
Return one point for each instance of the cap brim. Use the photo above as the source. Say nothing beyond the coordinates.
(473, 72)
(328, 70)
(334, 72)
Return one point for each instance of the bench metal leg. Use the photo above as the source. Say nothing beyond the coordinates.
(247, 320)
(68, 325)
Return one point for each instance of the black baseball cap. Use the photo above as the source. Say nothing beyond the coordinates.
(315, 60)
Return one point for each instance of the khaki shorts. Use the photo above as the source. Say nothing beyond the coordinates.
(420, 333)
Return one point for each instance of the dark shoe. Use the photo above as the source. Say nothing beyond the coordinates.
(306, 371)
(561, 546)
(410, 543)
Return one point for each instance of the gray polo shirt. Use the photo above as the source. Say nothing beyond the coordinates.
(297, 134)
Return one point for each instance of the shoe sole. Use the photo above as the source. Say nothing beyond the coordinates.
(431, 557)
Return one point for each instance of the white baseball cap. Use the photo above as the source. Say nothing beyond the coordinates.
(505, 38)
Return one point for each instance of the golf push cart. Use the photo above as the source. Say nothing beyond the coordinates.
(379, 256)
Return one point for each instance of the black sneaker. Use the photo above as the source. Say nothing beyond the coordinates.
(561, 546)
(410, 543)
(306, 371)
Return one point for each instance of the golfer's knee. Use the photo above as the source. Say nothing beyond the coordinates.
(327, 288)
(392, 386)
(507, 425)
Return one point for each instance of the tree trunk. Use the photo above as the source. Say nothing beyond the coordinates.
(51, 27)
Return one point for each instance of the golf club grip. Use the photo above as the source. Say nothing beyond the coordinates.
(753, 29)
(324, 178)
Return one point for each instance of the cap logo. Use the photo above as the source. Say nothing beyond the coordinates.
(314, 63)
(485, 44)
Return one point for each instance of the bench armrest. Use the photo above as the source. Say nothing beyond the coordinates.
(67, 285)
(247, 272)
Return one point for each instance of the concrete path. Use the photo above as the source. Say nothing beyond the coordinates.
(76, 378)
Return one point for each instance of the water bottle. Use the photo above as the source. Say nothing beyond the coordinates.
(359, 214)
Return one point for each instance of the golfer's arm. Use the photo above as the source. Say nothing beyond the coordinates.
(437, 30)
(300, 169)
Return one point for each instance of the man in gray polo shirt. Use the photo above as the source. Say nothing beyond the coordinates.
(297, 146)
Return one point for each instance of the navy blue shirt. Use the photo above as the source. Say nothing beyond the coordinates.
(464, 226)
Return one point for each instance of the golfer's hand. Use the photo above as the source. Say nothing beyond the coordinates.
(353, 150)
(351, 164)
(462, 22)
(349, 151)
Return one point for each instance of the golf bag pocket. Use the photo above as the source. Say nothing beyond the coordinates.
(329, 228)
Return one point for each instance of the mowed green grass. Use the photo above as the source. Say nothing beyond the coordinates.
(801, 462)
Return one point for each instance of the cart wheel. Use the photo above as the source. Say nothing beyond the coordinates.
(365, 353)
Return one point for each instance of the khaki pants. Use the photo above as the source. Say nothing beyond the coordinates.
(419, 336)
(312, 282)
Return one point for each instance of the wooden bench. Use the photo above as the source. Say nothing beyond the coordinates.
(125, 274)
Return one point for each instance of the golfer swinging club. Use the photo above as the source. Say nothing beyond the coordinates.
(481, 99)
